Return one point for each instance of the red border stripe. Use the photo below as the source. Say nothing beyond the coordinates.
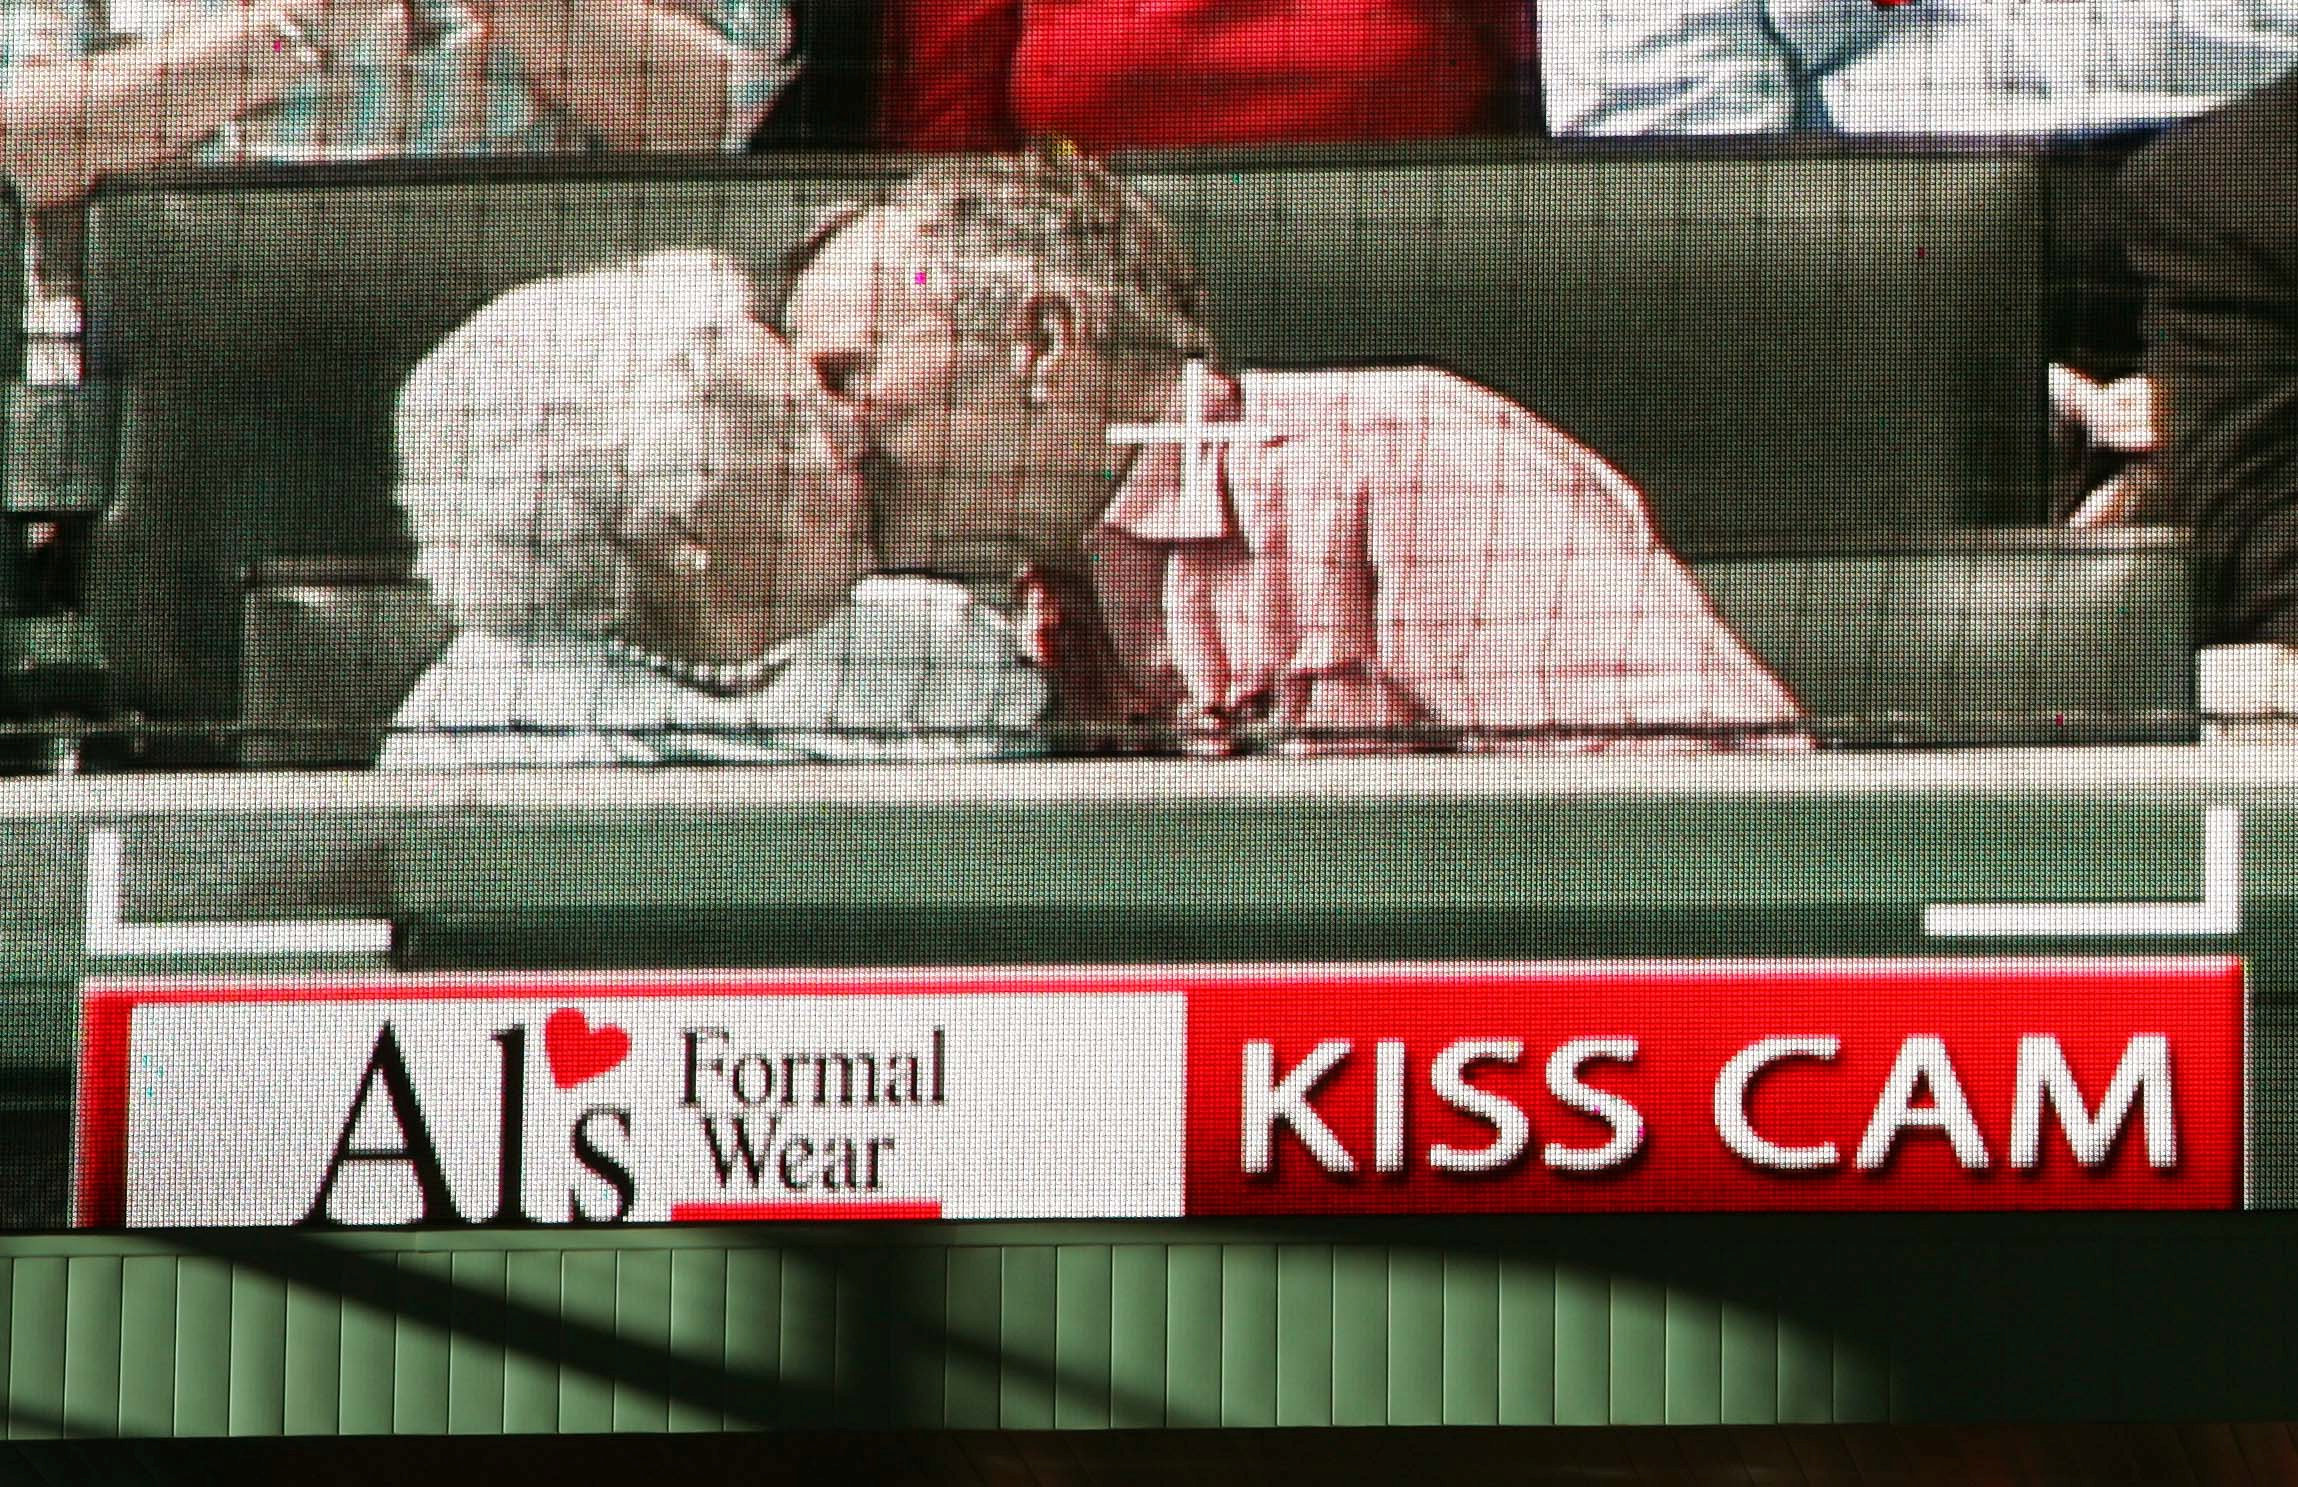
(751, 1213)
(103, 1113)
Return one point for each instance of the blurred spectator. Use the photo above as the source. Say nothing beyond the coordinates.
(641, 74)
(644, 518)
(1113, 74)
(1348, 559)
(2105, 71)
(2215, 233)
(89, 88)
(2033, 67)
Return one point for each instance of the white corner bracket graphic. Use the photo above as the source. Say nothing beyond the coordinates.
(2218, 913)
(110, 937)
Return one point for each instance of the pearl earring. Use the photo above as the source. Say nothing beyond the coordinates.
(694, 559)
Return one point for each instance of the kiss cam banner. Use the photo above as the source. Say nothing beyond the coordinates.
(1123, 1092)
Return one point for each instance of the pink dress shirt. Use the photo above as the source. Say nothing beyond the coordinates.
(1401, 549)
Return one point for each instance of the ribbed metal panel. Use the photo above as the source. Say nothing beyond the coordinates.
(355, 1335)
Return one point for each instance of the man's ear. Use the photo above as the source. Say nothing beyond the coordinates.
(1046, 334)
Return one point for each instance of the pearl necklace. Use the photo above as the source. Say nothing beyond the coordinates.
(720, 678)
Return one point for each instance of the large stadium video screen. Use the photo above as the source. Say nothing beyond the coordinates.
(1670, 391)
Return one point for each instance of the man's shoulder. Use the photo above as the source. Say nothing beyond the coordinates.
(2228, 170)
(1347, 398)
(1414, 413)
(2237, 139)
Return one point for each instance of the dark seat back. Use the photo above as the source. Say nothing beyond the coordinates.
(2094, 293)
(1799, 344)
(19, 427)
(332, 648)
(29, 436)
(1986, 638)
(15, 238)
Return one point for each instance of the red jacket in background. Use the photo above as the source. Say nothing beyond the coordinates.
(1114, 74)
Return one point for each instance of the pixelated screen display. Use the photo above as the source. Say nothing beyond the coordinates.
(1614, 378)
(451, 402)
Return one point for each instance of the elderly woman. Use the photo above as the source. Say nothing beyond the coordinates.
(644, 518)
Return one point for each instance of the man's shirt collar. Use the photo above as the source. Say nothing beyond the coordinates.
(1152, 503)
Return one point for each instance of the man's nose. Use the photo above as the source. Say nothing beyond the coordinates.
(839, 372)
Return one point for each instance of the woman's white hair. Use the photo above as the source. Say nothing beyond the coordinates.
(562, 414)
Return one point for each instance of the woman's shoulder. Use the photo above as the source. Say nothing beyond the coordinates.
(916, 592)
(483, 681)
(923, 653)
(493, 701)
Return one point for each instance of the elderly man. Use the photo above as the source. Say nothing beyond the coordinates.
(1362, 559)
(2029, 67)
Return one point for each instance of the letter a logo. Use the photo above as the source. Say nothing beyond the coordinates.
(387, 1067)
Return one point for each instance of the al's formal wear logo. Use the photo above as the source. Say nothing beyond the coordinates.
(1137, 1092)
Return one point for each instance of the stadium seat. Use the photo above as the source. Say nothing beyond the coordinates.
(18, 403)
(2094, 295)
(2034, 637)
(1938, 641)
(1792, 345)
(331, 647)
(12, 283)
(59, 460)
(1785, 343)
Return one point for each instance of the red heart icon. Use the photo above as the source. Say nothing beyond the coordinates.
(579, 1051)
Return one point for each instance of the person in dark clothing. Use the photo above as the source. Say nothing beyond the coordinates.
(2214, 232)
(833, 102)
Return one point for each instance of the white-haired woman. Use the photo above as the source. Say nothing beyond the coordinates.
(645, 520)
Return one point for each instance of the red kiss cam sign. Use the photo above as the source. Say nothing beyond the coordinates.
(1165, 1092)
